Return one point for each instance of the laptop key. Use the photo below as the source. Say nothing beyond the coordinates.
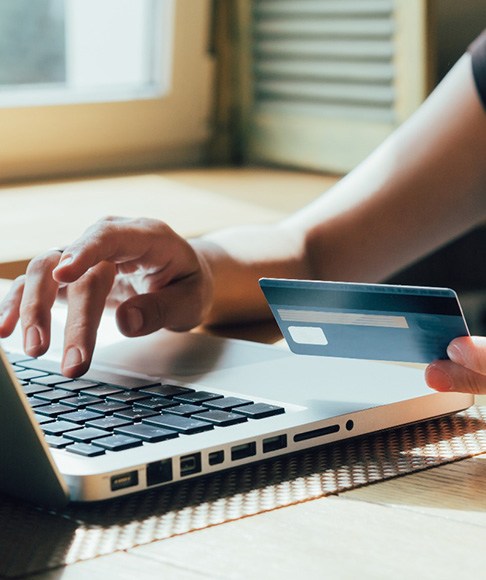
(53, 395)
(59, 427)
(78, 385)
(148, 433)
(221, 418)
(108, 407)
(166, 390)
(28, 374)
(185, 425)
(100, 391)
(135, 414)
(127, 397)
(85, 449)
(34, 403)
(80, 416)
(53, 409)
(87, 434)
(127, 382)
(259, 410)
(31, 389)
(186, 410)
(81, 401)
(155, 403)
(51, 380)
(49, 366)
(109, 423)
(197, 397)
(57, 441)
(226, 403)
(42, 419)
(117, 442)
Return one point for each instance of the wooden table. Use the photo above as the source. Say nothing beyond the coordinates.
(430, 524)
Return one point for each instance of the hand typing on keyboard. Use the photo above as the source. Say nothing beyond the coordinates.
(152, 276)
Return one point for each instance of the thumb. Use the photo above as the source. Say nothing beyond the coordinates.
(469, 352)
(465, 372)
(179, 306)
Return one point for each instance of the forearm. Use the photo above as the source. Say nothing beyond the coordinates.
(424, 186)
(238, 257)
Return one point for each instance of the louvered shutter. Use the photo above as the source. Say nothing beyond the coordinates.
(332, 78)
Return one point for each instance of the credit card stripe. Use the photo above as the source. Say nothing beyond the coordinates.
(319, 317)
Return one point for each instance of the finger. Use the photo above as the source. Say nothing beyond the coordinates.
(10, 307)
(86, 301)
(470, 352)
(447, 376)
(178, 306)
(40, 291)
(133, 244)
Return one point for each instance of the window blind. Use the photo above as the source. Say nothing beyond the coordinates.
(332, 78)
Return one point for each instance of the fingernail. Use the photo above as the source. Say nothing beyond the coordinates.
(134, 319)
(437, 379)
(32, 338)
(455, 353)
(72, 358)
(65, 261)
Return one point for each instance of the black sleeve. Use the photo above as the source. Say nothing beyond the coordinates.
(478, 54)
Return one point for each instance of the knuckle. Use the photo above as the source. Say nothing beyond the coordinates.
(41, 263)
(103, 226)
(146, 222)
(19, 282)
(163, 228)
(108, 219)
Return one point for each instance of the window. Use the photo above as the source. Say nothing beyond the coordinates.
(83, 50)
(100, 85)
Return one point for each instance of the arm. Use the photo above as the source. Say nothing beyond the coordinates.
(422, 187)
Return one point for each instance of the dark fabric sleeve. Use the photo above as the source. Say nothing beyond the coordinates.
(478, 54)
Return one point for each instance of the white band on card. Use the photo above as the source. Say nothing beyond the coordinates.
(320, 317)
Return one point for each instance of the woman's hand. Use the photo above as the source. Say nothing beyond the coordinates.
(152, 276)
(465, 372)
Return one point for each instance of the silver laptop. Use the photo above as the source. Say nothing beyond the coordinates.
(168, 407)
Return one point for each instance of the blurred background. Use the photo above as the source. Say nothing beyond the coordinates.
(115, 87)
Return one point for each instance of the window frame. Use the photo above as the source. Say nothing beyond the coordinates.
(82, 138)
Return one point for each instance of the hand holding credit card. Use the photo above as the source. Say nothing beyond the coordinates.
(365, 321)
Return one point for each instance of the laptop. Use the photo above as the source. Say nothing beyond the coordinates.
(169, 407)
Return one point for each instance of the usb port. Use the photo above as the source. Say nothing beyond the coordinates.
(243, 450)
(216, 457)
(123, 480)
(274, 443)
(190, 464)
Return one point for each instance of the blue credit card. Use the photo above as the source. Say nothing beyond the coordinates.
(365, 321)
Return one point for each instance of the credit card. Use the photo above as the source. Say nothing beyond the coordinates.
(365, 321)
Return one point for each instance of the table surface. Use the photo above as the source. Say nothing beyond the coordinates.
(430, 524)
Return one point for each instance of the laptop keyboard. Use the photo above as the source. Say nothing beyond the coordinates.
(90, 418)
